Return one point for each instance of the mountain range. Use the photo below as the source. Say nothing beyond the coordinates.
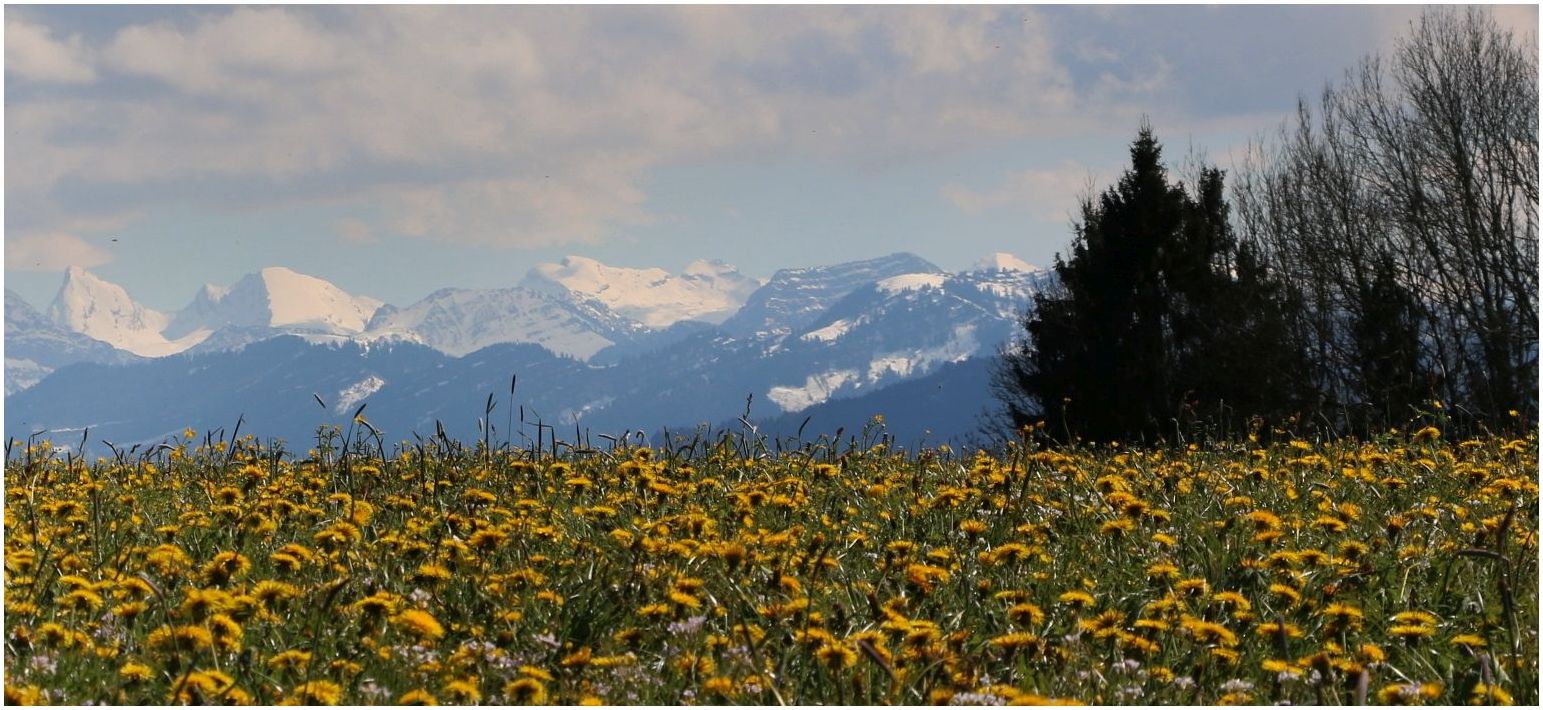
(589, 346)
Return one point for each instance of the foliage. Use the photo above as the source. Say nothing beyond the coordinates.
(1405, 211)
(1159, 319)
(1402, 569)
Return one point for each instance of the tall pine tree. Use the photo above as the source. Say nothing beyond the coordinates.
(1158, 323)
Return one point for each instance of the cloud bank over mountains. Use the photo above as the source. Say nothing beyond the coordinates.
(532, 125)
(537, 128)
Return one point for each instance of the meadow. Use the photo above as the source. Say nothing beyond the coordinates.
(1399, 570)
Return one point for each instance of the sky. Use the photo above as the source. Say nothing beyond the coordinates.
(398, 150)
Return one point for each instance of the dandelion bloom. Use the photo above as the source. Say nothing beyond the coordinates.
(464, 691)
(836, 656)
(417, 697)
(1025, 614)
(1468, 641)
(1409, 693)
(526, 691)
(1489, 693)
(1015, 642)
(1076, 599)
(135, 672)
(316, 692)
(420, 623)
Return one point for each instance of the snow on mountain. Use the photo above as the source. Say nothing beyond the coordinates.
(203, 309)
(830, 332)
(814, 390)
(21, 373)
(357, 392)
(898, 328)
(707, 291)
(941, 406)
(272, 301)
(36, 346)
(461, 321)
(806, 338)
(1008, 290)
(900, 361)
(906, 282)
(1002, 261)
(102, 310)
(278, 298)
(295, 299)
(960, 345)
(794, 298)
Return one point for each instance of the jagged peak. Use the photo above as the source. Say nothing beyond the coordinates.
(900, 262)
(1003, 261)
(101, 309)
(704, 290)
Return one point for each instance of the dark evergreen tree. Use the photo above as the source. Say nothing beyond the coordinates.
(1159, 325)
(1387, 350)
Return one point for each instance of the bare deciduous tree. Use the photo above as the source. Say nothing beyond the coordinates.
(1404, 212)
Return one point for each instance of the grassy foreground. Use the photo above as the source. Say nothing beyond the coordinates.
(1402, 570)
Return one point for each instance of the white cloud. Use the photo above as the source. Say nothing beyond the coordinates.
(32, 52)
(1048, 193)
(1521, 20)
(52, 252)
(535, 211)
(1397, 21)
(265, 44)
(355, 231)
(529, 125)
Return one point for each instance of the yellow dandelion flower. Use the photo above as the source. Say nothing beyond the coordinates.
(1208, 632)
(420, 623)
(526, 691)
(464, 691)
(225, 566)
(1279, 631)
(719, 685)
(1014, 642)
(202, 687)
(417, 697)
(1409, 693)
(1489, 694)
(836, 656)
(1468, 641)
(1103, 625)
(316, 692)
(1025, 614)
(1076, 599)
(291, 659)
(135, 672)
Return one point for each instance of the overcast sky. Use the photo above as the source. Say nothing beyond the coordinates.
(396, 150)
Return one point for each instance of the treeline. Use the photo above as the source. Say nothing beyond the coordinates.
(1373, 262)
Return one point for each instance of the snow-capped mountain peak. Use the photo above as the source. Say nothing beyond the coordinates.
(1003, 261)
(461, 321)
(911, 282)
(298, 300)
(794, 298)
(100, 309)
(35, 345)
(707, 291)
(276, 297)
(86, 302)
(212, 293)
(724, 276)
(272, 299)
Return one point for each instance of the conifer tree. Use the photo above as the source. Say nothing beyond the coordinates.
(1159, 324)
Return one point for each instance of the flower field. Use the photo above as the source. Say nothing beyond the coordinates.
(1401, 570)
